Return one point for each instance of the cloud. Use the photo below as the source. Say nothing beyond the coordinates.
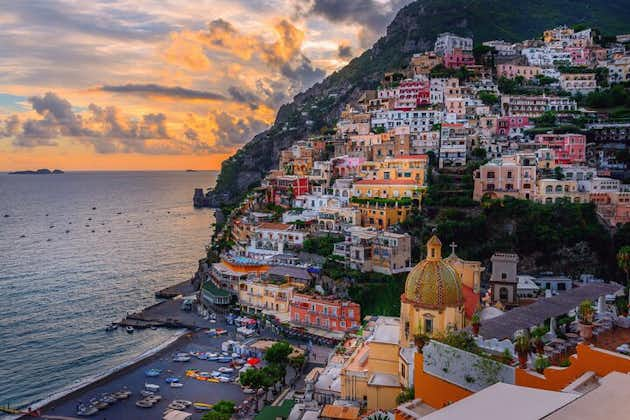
(223, 42)
(345, 51)
(107, 22)
(158, 90)
(373, 16)
(107, 130)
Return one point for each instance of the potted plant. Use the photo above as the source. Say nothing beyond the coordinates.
(521, 346)
(541, 363)
(476, 322)
(585, 315)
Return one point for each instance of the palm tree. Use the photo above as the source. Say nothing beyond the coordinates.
(623, 260)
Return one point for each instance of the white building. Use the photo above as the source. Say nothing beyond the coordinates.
(270, 239)
(417, 120)
(446, 42)
(546, 57)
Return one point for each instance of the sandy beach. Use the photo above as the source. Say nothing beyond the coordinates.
(133, 378)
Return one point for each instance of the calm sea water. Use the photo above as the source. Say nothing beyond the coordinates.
(69, 276)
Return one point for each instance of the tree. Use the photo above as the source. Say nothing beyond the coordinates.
(222, 410)
(623, 260)
(256, 378)
(488, 98)
(279, 353)
(558, 173)
(547, 119)
(479, 152)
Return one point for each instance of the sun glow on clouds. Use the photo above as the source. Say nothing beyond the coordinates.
(152, 85)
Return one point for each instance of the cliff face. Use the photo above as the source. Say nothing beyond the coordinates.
(414, 29)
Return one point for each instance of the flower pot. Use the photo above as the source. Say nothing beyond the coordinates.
(586, 331)
(475, 328)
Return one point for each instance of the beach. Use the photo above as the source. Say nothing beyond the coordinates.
(132, 377)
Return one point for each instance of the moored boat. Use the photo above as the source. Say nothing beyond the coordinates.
(202, 406)
(129, 329)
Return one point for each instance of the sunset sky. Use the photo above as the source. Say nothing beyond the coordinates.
(162, 84)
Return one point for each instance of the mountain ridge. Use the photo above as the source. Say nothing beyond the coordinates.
(413, 29)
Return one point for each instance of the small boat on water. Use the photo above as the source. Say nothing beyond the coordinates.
(151, 373)
(100, 405)
(176, 384)
(129, 329)
(122, 395)
(108, 398)
(152, 387)
(224, 369)
(111, 327)
(85, 410)
(144, 404)
(146, 393)
(199, 406)
(171, 379)
(181, 358)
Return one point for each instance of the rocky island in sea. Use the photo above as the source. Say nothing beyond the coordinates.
(38, 172)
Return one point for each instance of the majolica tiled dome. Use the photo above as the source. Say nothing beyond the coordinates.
(433, 283)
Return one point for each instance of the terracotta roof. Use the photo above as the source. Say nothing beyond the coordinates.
(386, 182)
(340, 412)
(274, 226)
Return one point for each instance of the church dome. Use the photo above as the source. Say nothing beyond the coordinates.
(434, 283)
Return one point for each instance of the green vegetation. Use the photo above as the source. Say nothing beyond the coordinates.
(488, 98)
(389, 202)
(462, 73)
(275, 412)
(617, 96)
(405, 396)
(575, 69)
(321, 245)
(221, 410)
(520, 86)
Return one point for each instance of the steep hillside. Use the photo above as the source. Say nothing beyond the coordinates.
(413, 29)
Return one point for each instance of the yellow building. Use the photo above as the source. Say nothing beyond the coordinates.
(434, 298)
(437, 295)
(386, 188)
(370, 375)
(381, 215)
(409, 167)
(551, 190)
(261, 297)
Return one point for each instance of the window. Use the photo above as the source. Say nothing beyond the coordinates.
(428, 326)
(503, 294)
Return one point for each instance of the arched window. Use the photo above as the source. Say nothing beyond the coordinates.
(549, 189)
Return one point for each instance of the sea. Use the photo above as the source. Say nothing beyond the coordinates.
(78, 251)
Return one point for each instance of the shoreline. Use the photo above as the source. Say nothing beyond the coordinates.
(70, 391)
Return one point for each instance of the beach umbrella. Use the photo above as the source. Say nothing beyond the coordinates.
(253, 361)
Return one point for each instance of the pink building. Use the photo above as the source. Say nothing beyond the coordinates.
(458, 58)
(513, 176)
(347, 166)
(511, 125)
(325, 313)
(579, 55)
(511, 71)
(568, 148)
(412, 94)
